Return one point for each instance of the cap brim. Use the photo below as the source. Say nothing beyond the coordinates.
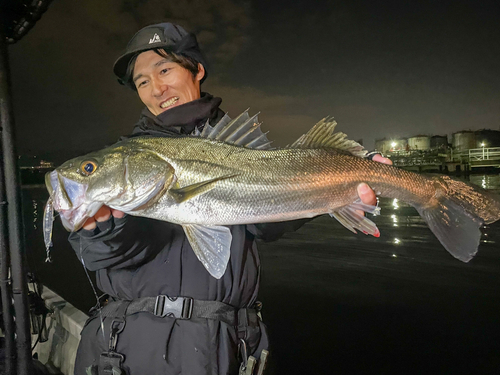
(121, 64)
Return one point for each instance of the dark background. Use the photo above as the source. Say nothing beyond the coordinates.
(382, 68)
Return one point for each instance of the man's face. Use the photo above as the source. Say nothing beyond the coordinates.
(162, 84)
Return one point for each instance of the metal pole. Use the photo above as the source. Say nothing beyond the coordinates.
(14, 213)
(5, 284)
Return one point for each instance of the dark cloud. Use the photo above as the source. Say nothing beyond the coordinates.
(65, 94)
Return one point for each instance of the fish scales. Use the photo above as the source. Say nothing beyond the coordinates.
(273, 185)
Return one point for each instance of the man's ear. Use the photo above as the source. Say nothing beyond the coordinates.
(201, 72)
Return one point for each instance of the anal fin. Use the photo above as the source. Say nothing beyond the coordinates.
(350, 218)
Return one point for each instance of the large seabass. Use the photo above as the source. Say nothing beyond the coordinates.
(228, 175)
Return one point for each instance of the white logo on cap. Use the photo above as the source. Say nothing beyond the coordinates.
(155, 39)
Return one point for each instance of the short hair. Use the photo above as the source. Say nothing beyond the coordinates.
(186, 62)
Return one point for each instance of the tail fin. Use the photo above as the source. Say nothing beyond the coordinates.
(457, 213)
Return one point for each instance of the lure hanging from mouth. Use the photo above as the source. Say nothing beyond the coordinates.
(48, 223)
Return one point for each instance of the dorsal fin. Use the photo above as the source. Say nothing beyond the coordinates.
(322, 136)
(242, 131)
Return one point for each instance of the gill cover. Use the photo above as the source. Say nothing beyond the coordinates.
(146, 177)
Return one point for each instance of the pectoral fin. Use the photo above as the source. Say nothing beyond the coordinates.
(187, 192)
(212, 246)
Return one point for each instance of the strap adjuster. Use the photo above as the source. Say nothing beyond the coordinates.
(173, 307)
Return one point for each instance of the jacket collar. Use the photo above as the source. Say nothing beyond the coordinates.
(184, 118)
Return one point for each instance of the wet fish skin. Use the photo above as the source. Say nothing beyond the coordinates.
(286, 184)
(204, 184)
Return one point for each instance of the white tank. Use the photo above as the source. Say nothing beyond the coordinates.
(419, 142)
(464, 140)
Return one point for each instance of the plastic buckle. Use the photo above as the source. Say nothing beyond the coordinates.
(173, 307)
(110, 363)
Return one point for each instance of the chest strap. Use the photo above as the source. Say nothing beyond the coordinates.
(185, 308)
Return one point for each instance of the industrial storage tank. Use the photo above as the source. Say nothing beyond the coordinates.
(490, 138)
(439, 142)
(419, 142)
(399, 144)
(385, 145)
(464, 140)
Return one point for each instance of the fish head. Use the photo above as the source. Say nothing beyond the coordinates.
(123, 178)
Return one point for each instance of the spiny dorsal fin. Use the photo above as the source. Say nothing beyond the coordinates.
(242, 131)
(322, 136)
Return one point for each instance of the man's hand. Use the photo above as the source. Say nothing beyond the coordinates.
(366, 194)
(103, 214)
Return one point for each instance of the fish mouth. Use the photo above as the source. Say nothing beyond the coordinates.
(68, 199)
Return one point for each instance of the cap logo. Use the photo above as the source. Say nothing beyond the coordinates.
(155, 39)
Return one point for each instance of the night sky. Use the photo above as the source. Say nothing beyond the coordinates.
(382, 69)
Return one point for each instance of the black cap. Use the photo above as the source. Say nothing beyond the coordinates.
(170, 37)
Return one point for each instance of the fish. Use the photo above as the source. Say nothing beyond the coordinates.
(229, 174)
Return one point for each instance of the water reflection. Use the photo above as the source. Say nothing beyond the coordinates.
(395, 220)
(395, 204)
(488, 181)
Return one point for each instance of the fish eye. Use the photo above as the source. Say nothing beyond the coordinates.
(88, 167)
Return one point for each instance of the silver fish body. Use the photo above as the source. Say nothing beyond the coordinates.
(254, 186)
(205, 184)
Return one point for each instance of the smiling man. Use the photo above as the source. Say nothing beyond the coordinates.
(165, 313)
(163, 83)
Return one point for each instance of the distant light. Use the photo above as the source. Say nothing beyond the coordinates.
(483, 144)
(394, 256)
(396, 240)
(393, 144)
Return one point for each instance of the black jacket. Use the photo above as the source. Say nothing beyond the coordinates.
(137, 257)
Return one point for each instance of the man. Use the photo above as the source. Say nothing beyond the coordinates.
(205, 325)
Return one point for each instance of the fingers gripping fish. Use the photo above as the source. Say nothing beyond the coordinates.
(229, 175)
